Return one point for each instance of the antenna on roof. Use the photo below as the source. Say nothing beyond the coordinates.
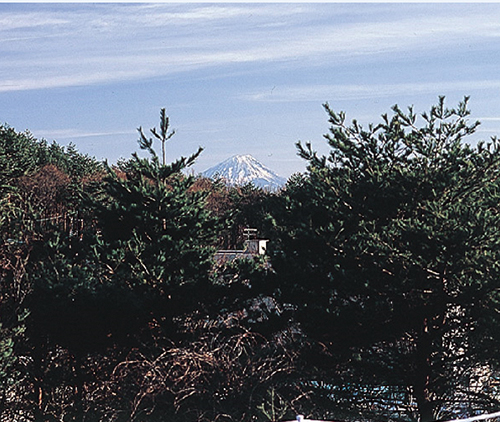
(249, 233)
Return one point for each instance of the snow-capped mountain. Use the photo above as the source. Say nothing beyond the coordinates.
(243, 169)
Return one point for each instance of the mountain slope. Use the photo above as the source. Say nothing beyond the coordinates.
(243, 169)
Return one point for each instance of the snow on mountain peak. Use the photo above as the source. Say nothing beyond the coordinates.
(243, 169)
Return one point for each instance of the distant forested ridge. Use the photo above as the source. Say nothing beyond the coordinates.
(377, 299)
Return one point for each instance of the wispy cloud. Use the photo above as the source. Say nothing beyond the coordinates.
(317, 93)
(110, 43)
(156, 15)
(490, 119)
(29, 20)
(65, 134)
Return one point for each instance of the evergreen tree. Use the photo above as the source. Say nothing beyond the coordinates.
(163, 136)
(17, 154)
(155, 231)
(389, 248)
(142, 262)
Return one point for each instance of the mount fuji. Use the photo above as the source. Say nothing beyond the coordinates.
(243, 169)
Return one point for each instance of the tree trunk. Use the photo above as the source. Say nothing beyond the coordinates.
(422, 380)
(78, 387)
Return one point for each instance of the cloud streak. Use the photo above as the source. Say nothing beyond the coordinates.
(344, 92)
(86, 45)
(63, 134)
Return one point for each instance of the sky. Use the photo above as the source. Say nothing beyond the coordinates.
(238, 78)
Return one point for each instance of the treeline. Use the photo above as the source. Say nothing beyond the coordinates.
(378, 298)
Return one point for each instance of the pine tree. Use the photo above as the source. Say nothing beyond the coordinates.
(163, 136)
(156, 234)
(389, 247)
(142, 262)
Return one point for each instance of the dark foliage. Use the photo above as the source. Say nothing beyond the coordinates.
(380, 301)
(389, 248)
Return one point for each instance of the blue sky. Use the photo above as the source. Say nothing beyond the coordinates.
(238, 78)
